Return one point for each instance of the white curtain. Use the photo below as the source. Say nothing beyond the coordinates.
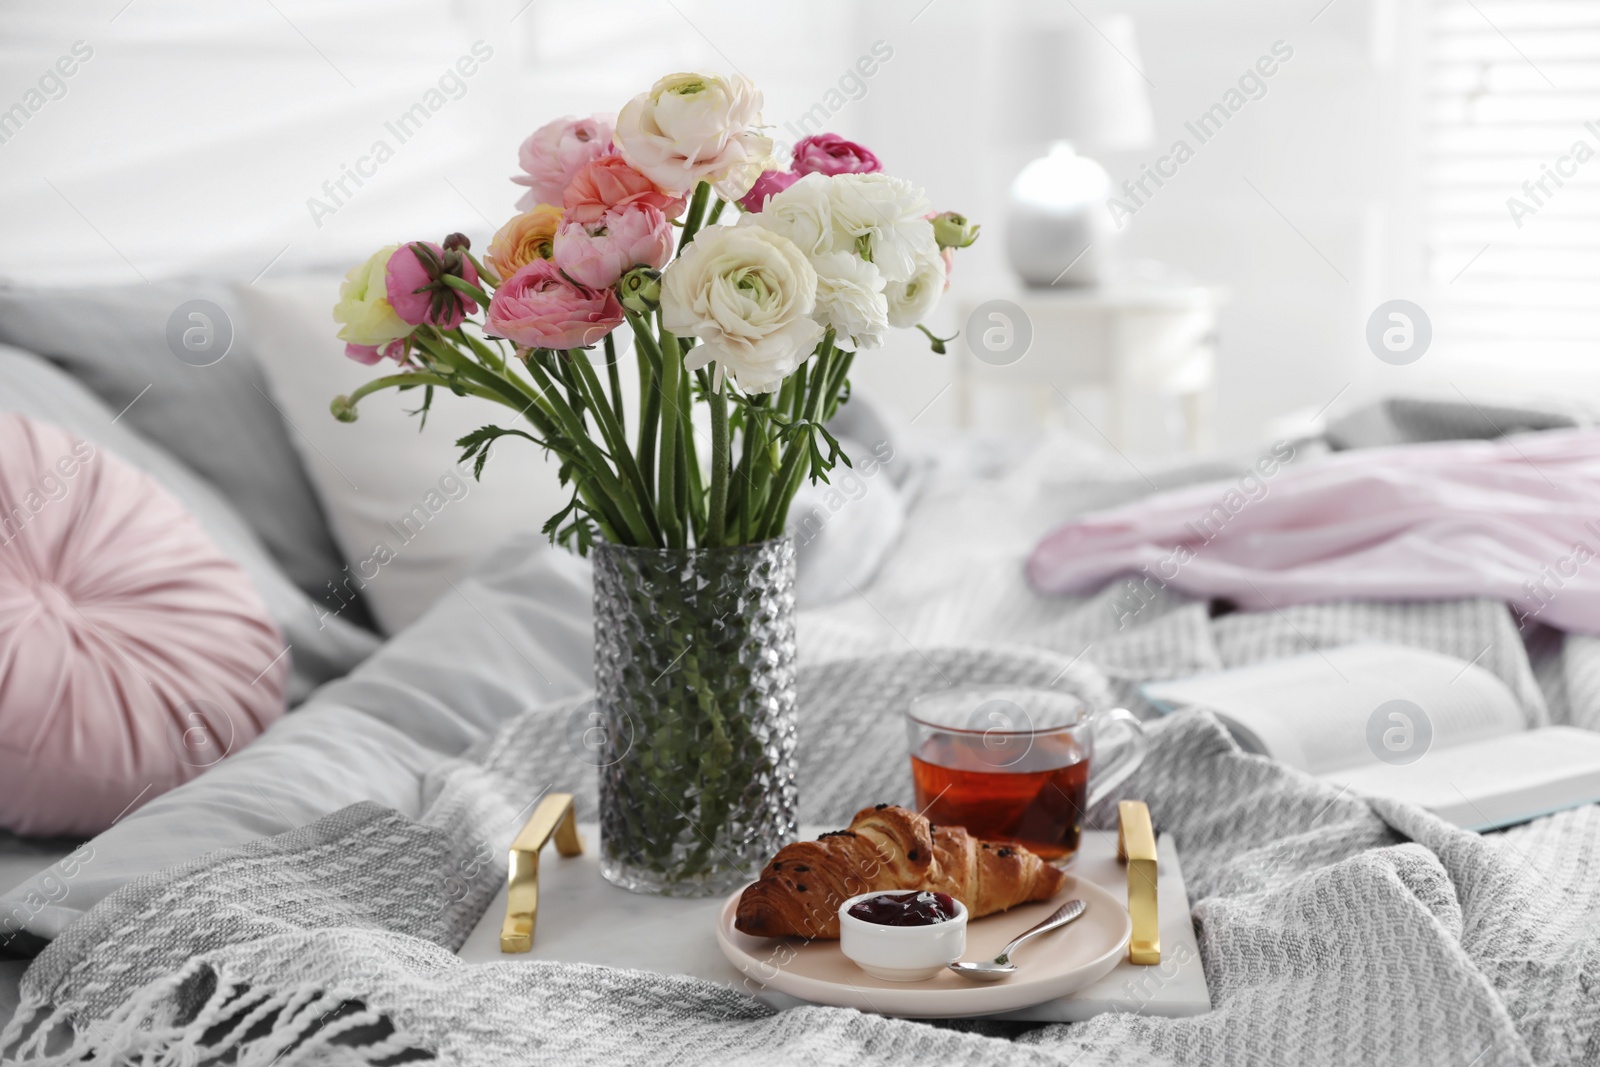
(251, 135)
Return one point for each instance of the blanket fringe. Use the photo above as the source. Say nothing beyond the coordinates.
(160, 1027)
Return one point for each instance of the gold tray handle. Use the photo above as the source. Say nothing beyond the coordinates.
(554, 815)
(1136, 846)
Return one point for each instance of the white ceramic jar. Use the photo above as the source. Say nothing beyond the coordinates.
(901, 953)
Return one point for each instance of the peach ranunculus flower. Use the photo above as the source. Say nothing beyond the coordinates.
(527, 237)
(609, 184)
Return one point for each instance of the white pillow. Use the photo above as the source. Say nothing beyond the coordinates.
(408, 518)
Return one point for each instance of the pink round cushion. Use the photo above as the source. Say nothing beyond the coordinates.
(133, 653)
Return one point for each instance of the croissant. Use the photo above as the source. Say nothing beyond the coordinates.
(887, 848)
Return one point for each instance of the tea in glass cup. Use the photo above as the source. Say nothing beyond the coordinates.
(1016, 764)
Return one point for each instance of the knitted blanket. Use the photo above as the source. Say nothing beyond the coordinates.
(1332, 931)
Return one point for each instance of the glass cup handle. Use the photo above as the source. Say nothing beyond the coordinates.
(1108, 776)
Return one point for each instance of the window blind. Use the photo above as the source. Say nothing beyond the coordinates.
(1511, 178)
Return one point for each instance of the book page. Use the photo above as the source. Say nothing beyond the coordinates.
(1354, 705)
(1494, 782)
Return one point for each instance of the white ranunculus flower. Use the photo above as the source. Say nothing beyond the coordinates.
(850, 299)
(696, 127)
(748, 295)
(883, 217)
(804, 214)
(910, 301)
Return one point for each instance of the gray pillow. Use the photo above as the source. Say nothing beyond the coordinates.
(192, 386)
(323, 646)
(1407, 421)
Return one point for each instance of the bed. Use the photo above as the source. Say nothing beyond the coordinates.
(301, 901)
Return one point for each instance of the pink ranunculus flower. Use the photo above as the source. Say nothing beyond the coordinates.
(370, 354)
(538, 308)
(830, 154)
(597, 254)
(554, 152)
(608, 183)
(771, 183)
(416, 293)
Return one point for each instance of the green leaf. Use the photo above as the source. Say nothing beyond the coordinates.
(476, 445)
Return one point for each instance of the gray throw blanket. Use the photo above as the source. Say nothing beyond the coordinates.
(1332, 931)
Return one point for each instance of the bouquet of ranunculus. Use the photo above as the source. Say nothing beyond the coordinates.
(756, 317)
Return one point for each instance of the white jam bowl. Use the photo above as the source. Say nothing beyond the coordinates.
(901, 953)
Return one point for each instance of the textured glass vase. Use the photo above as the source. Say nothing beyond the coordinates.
(695, 679)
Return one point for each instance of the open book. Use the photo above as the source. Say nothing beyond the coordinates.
(1392, 721)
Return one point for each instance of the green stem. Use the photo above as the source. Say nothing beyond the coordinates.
(396, 381)
(649, 397)
(490, 358)
(667, 491)
(608, 488)
(790, 473)
(615, 379)
(742, 491)
(716, 519)
(691, 490)
(600, 490)
(716, 211)
(555, 365)
(461, 285)
(691, 221)
(483, 271)
(611, 429)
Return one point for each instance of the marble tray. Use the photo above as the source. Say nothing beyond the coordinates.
(584, 919)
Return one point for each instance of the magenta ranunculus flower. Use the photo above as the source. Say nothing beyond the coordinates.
(538, 308)
(597, 254)
(771, 183)
(555, 152)
(829, 154)
(416, 292)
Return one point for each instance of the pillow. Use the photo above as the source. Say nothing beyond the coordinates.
(407, 517)
(845, 528)
(1411, 420)
(193, 386)
(325, 645)
(133, 653)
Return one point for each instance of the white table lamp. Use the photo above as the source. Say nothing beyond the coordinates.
(1073, 88)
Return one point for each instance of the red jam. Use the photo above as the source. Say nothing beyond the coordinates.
(905, 909)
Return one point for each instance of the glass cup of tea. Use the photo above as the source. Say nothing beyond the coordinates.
(1017, 764)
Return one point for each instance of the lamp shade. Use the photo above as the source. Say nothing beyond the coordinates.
(1076, 82)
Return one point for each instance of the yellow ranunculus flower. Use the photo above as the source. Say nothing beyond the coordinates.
(363, 308)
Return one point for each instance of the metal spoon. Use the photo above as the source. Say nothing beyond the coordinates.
(1001, 966)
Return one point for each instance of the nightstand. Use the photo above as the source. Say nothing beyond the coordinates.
(1134, 342)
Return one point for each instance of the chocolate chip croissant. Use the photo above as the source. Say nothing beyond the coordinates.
(888, 848)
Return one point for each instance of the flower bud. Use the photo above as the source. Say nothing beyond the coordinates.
(953, 231)
(343, 409)
(640, 290)
(457, 240)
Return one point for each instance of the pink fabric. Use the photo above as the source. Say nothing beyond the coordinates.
(133, 654)
(1516, 519)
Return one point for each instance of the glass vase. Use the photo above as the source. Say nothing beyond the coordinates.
(695, 681)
